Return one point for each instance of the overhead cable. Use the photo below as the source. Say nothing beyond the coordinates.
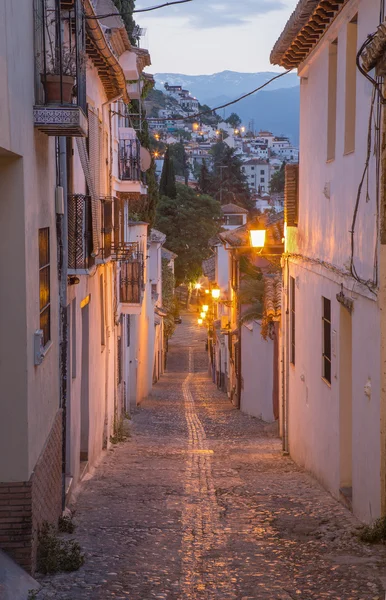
(212, 110)
(138, 10)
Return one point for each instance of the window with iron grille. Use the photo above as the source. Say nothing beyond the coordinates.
(107, 226)
(292, 320)
(79, 232)
(326, 332)
(45, 284)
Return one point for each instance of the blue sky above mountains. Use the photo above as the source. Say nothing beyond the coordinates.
(208, 36)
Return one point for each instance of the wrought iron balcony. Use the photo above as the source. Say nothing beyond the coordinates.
(124, 251)
(60, 75)
(131, 284)
(129, 160)
(79, 233)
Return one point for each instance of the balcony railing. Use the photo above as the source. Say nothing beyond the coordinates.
(79, 232)
(129, 160)
(131, 280)
(60, 73)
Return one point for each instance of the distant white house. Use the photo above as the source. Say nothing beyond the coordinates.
(257, 172)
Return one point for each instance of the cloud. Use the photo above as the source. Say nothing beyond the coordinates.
(209, 14)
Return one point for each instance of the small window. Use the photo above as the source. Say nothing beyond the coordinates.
(262, 172)
(252, 168)
(326, 332)
(128, 331)
(292, 320)
(45, 284)
(332, 99)
(262, 180)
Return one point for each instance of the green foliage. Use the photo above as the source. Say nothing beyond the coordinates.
(180, 162)
(233, 120)
(147, 213)
(32, 594)
(229, 184)
(208, 118)
(167, 186)
(66, 525)
(189, 221)
(120, 432)
(169, 302)
(251, 293)
(278, 180)
(204, 180)
(375, 533)
(126, 7)
(56, 555)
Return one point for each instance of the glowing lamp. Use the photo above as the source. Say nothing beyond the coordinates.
(205, 308)
(197, 286)
(216, 293)
(206, 291)
(199, 321)
(257, 238)
(203, 315)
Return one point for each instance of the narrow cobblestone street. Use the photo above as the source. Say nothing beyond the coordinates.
(200, 504)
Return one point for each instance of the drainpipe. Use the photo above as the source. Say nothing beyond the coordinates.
(62, 241)
(113, 278)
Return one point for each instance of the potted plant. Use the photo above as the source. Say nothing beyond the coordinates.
(58, 76)
(59, 79)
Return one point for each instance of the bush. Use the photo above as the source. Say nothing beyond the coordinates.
(375, 533)
(56, 555)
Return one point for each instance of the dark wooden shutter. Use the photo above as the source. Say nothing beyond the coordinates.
(291, 195)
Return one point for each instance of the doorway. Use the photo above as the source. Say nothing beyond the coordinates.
(345, 404)
(84, 389)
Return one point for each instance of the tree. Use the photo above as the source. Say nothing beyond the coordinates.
(278, 180)
(126, 7)
(167, 186)
(229, 184)
(205, 180)
(233, 120)
(189, 221)
(180, 161)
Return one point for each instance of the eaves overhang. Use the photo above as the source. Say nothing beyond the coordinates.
(304, 29)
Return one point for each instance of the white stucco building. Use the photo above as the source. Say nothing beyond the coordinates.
(82, 322)
(334, 263)
(257, 172)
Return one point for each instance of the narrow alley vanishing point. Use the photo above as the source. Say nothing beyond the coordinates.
(200, 504)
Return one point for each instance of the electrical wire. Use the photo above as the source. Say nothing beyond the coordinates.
(138, 10)
(212, 110)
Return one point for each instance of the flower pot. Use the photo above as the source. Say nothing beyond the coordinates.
(51, 85)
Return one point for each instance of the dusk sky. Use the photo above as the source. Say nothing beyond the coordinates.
(208, 36)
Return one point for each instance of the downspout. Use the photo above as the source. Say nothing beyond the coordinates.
(62, 242)
(239, 377)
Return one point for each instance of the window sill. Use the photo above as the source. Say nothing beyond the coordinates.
(349, 152)
(330, 160)
(328, 383)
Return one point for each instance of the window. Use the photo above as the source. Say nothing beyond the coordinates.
(351, 81)
(292, 320)
(233, 220)
(119, 360)
(44, 284)
(252, 168)
(262, 172)
(262, 180)
(326, 331)
(332, 95)
(103, 330)
(128, 331)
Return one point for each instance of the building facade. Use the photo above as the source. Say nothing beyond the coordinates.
(333, 261)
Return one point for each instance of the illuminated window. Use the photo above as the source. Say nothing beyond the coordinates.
(44, 284)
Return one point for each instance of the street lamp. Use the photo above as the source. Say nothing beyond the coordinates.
(199, 321)
(257, 237)
(203, 315)
(216, 293)
(197, 286)
(205, 307)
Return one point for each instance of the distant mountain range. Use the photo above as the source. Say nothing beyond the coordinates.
(275, 108)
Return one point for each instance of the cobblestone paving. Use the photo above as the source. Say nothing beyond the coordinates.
(200, 504)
